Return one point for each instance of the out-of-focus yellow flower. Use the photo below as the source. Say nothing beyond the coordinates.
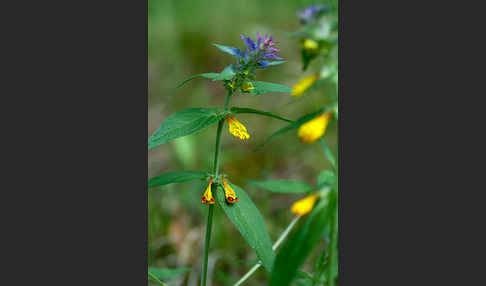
(207, 197)
(236, 128)
(314, 129)
(305, 205)
(310, 45)
(304, 84)
(232, 84)
(247, 86)
(229, 193)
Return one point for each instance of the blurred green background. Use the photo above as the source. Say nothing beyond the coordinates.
(180, 38)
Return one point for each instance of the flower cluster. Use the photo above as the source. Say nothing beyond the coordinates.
(258, 55)
(229, 193)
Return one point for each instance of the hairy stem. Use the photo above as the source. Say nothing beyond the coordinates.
(209, 222)
(279, 241)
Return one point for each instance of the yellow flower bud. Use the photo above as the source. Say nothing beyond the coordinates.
(314, 129)
(303, 84)
(207, 197)
(229, 193)
(236, 128)
(247, 86)
(305, 205)
(310, 45)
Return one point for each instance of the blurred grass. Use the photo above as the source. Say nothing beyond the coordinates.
(180, 36)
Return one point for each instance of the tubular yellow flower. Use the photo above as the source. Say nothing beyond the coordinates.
(303, 84)
(229, 193)
(207, 198)
(247, 86)
(310, 45)
(314, 129)
(236, 128)
(305, 205)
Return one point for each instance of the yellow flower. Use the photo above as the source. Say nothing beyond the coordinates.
(232, 84)
(236, 128)
(310, 45)
(207, 198)
(305, 205)
(304, 84)
(314, 129)
(247, 86)
(229, 193)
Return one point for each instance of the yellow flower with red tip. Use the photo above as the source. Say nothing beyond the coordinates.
(305, 205)
(207, 197)
(304, 84)
(229, 193)
(314, 129)
(236, 128)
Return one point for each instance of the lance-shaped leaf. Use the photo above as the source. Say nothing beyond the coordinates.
(164, 273)
(176, 177)
(255, 111)
(227, 74)
(230, 50)
(183, 123)
(262, 87)
(300, 243)
(249, 222)
(291, 126)
(283, 186)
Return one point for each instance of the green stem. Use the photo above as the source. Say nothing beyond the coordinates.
(274, 247)
(209, 222)
(206, 245)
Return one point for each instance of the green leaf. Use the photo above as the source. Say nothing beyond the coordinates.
(210, 75)
(300, 243)
(283, 186)
(249, 222)
(294, 125)
(166, 274)
(255, 111)
(227, 74)
(325, 178)
(176, 177)
(262, 87)
(183, 123)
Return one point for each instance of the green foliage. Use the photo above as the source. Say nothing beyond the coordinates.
(325, 178)
(255, 111)
(249, 222)
(164, 273)
(182, 123)
(152, 277)
(328, 152)
(176, 177)
(300, 243)
(283, 186)
(262, 87)
(226, 74)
